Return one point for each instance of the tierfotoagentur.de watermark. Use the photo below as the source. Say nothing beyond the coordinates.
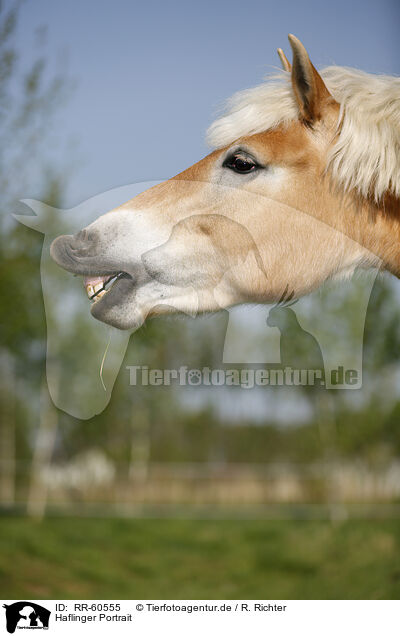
(244, 378)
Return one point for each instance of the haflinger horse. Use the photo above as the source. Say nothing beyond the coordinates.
(303, 186)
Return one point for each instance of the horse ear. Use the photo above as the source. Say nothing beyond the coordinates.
(40, 221)
(309, 88)
(286, 65)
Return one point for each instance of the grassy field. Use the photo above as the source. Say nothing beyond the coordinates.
(183, 559)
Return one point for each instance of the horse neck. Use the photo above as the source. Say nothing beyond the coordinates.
(382, 231)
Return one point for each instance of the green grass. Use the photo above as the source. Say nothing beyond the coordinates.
(183, 559)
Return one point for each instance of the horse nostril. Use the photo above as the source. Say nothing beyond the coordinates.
(83, 240)
(82, 235)
(85, 236)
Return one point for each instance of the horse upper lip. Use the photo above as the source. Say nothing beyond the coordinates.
(76, 254)
(79, 256)
(60, 253)
(71, 254)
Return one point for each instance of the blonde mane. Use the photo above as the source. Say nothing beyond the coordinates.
(366, 153)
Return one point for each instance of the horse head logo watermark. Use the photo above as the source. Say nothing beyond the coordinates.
(81, 377)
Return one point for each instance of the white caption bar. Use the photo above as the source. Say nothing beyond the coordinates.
(199, 617)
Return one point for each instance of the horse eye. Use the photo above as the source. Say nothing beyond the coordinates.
(240, 164)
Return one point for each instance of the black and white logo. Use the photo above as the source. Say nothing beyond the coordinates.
(26, 615)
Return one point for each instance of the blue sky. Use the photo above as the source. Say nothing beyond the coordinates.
(150, 75)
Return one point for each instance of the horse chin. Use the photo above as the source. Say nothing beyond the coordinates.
(117, 306)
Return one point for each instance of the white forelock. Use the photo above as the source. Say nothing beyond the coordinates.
(366, 152)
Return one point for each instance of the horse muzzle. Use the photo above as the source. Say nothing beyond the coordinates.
(80, 254)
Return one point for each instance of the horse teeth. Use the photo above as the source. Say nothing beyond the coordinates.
(98, 287)
(99, 295)
(89, 290)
